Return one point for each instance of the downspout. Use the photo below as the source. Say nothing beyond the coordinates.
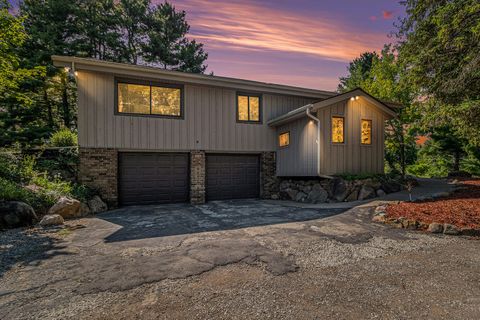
(310, 115)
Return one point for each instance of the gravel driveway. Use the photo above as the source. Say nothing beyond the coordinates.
(325, 264)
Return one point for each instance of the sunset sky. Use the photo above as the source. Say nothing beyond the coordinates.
(297, 42)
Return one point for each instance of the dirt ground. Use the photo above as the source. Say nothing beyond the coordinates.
(341, 266)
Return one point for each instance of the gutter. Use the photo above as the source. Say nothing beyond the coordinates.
(311, 116)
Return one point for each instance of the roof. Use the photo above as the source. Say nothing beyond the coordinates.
(387, 107)
(123, 69)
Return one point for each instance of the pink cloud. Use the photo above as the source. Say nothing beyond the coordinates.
(387, 14)
(250, 26)
(373, 18)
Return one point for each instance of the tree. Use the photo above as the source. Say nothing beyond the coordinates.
(381, 76)
(439, 42)
(358, 72)
(166, 43)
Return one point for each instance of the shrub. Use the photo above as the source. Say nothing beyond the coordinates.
(10, 191)
(64, 138)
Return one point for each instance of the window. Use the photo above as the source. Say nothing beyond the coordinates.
(248, 108)
(284, 139)
(366, 131)
(338, 129)
(149, 99)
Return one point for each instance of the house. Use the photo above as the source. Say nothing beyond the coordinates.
(148, 135)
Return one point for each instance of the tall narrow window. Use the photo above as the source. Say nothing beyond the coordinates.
(284, 139)
(148, 99)
(338, 129)
(366, 131)
(248, 108)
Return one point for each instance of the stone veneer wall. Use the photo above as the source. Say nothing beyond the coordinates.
(269, 183)
(98, 169)
(197, 177)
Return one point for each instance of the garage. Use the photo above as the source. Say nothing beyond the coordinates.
(153, 178)
(232, 176)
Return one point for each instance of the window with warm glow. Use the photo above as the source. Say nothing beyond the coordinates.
(248, 109)
(338, 129)
(366, 131)
(284, 139)
(149, 99)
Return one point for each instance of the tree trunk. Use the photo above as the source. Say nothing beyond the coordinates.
(49, 109)
(456, 161)
(67, 120)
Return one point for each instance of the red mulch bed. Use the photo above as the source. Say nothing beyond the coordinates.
(462, 208)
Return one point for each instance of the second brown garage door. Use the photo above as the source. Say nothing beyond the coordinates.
(149, 178)
(232, 176)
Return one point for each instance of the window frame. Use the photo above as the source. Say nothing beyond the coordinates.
(279, 135)
(150, 84)
(331, 130)
(260, 107)
(371, 132)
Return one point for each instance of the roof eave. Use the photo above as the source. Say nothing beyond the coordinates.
(95, 65)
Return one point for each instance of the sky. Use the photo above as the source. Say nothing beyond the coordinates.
(305, 43)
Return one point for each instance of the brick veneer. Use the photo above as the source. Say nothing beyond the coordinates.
(99, 170)
(269, 183)
(197, 177)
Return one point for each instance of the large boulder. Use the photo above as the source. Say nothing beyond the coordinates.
(353, 196)
(96, 205)
(67, 208)
(15, 214)
(317, 194)
(340, 189)
(366, 192)
(51, 220)
(301, 197)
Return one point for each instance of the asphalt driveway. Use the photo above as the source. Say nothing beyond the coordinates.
(141, 222)
(237, 260)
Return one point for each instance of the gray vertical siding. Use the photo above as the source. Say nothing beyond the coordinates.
(300, 157)
(352, 156)
(209, 120)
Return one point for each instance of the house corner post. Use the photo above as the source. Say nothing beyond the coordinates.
(269, 183)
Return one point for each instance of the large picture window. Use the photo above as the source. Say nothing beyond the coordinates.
(149, 99)
(338, 129)
(366, 131)
(248, 108)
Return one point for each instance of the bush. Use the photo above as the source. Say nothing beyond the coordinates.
(64, 138)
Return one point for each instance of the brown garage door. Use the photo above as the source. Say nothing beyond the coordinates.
(149, 178)
(232, 176)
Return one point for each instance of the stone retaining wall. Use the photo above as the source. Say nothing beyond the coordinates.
(197, 177)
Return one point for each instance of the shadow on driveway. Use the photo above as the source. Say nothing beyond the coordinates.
(141, 222)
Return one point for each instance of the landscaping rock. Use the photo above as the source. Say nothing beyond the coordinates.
(366, 193)
(97, 205)
(84, 209)
(317, 195)
(381, 193)
(340, 189)
(391, 186)
(381, 209)
(51, 220)
(300, 197)
(450, 229)
(291, 193)
(353, 196)
(15, 214)
(67, 208)
(440, 195)
(379, 218)
(435, 227)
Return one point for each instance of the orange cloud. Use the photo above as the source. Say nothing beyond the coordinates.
(387, 14)
(250, 26)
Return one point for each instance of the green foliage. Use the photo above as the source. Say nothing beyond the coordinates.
(440, 44)
(358, 72)
(64, 138)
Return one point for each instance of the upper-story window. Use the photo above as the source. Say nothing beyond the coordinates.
(366, 131)
(284, 139)
(249, 107)
(338, 129)
(149, 99)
